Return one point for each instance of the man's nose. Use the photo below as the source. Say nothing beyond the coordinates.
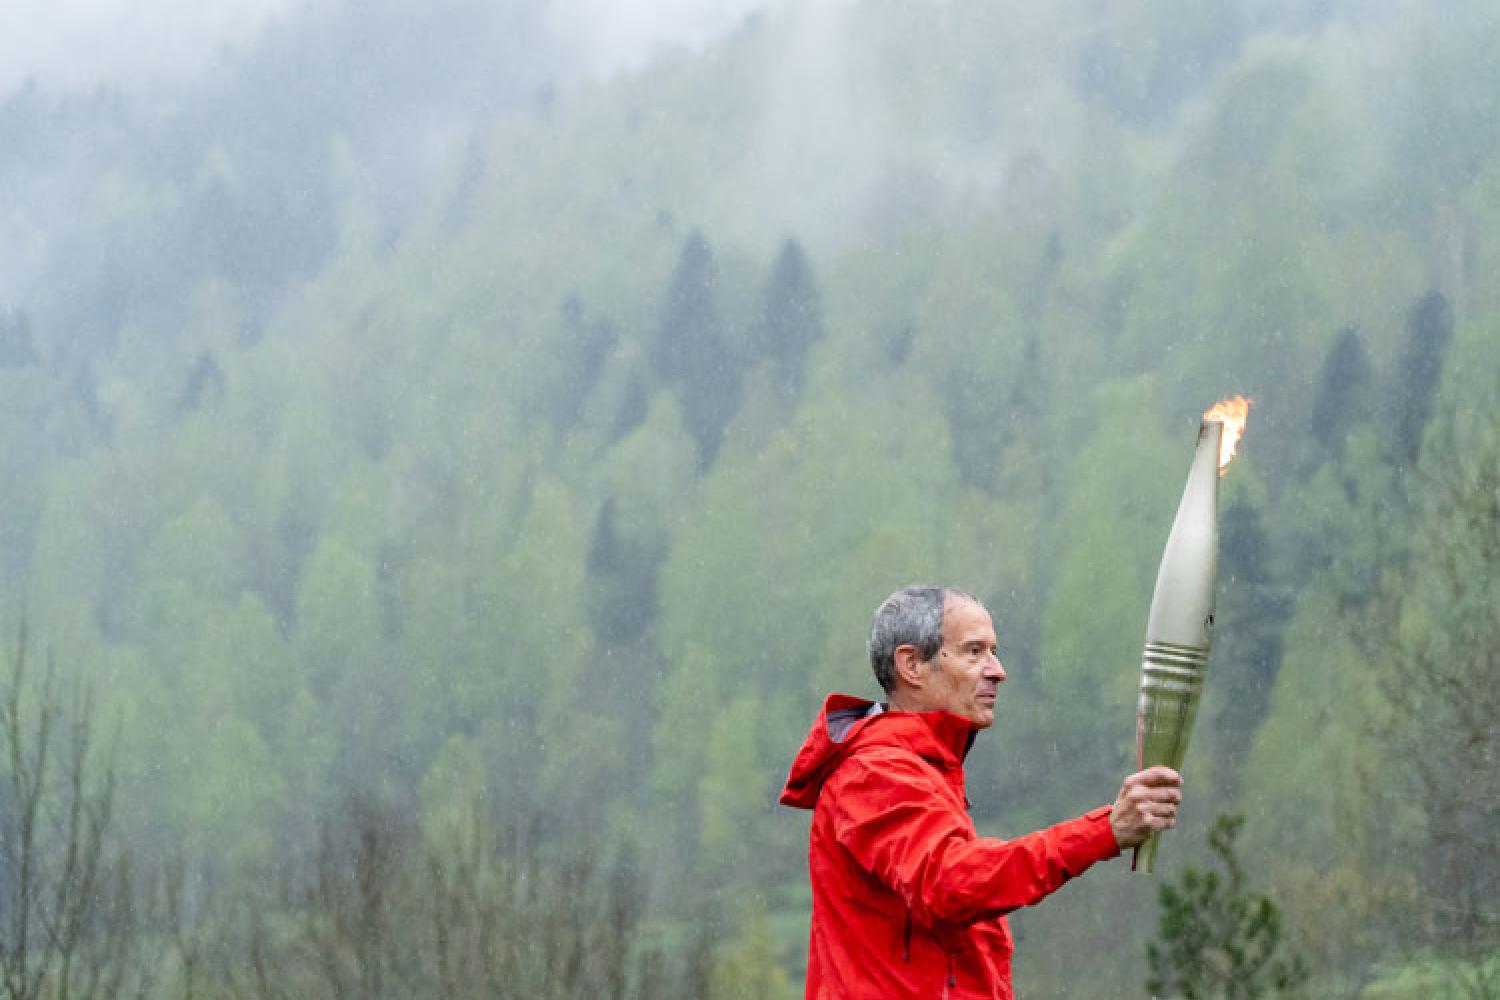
(994, 670)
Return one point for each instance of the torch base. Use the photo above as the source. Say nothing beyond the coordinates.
(1144, 859)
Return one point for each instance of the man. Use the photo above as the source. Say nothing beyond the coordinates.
(908, 900)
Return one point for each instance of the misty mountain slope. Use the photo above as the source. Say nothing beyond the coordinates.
(235, 180)
(413, 420)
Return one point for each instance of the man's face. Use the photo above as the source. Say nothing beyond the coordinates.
(966, 674)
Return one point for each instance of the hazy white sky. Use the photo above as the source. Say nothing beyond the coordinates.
(621, 34)
(77, 44)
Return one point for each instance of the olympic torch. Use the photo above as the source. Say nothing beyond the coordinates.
(1179, 629)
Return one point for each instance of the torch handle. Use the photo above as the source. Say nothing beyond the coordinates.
(1144, 858)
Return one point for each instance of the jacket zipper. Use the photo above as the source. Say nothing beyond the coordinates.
(948, 983)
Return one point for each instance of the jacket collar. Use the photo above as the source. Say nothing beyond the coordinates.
(847, 725)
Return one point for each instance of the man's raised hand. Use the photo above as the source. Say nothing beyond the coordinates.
(1147, 803)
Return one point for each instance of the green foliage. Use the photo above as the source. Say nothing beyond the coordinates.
(1306, 754)
(791, 318)
(693, 352)
(1104, 567)
(748, 969)
(1414, 381)
(455, 433)
(1343, 402)
(338, 615)
(1440, 673)
(1217, 937)
(734, 787)
(1251, 635)
(1141, 68)
(1440, 979)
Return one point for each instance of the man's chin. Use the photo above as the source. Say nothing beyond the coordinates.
(983, 716)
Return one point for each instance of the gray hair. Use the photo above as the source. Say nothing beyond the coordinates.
(912, 616)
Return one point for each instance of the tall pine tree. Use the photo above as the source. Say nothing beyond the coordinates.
(1429, 331)
(1250, 643)
(1340, 406)
(692, 352)
(790, 318)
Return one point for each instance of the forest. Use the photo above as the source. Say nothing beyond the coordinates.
(442, 482)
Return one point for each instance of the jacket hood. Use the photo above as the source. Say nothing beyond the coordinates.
(848, 724)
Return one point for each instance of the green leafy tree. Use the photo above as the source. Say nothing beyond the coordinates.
(734, 790)
(1435, 637)
(753, 560)
(1256, 608)
(747, 969)
(622, 580)
(532, 669)
(970, 343)
(1103, 565)
(1451, 93)
(1304, 789)
(338, 615)
(346, 660)
(1217, 937)
(197, 559)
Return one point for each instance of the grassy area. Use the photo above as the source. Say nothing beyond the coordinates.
(1439, 978)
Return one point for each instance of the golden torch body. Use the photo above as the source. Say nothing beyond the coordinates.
(1179, 630)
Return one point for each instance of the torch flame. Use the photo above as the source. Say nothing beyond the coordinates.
(1231, 413)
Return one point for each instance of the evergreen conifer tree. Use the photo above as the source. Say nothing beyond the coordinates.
(692, 353)
(1340, 404)
(1217, 937)
(791, 318)
(1414, 384)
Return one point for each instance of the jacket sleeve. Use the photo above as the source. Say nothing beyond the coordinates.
(895, 818)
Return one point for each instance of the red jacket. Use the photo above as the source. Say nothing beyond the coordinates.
(908, 899)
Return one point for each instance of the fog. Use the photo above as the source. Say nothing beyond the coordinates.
(80, 45)
(609, 38)
(453, 449)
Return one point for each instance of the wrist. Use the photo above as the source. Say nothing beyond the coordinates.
(1108, 836)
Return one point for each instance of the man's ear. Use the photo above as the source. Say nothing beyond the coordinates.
(911, 669)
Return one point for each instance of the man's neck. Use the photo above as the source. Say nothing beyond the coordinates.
(903, 702)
